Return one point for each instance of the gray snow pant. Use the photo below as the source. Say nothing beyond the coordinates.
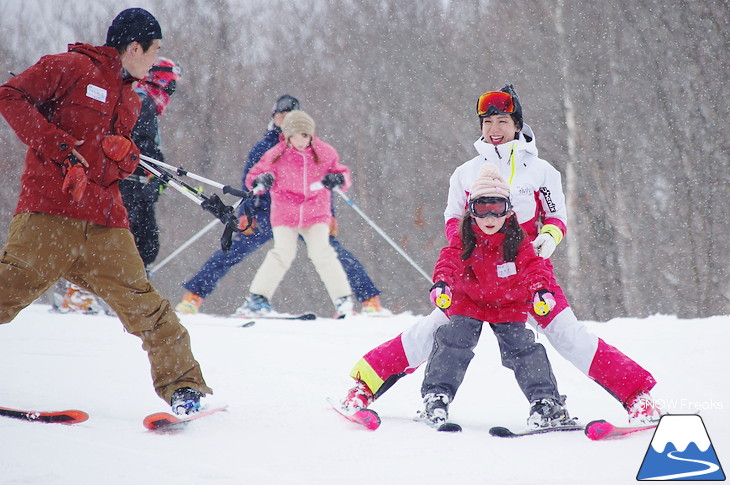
(454, 346)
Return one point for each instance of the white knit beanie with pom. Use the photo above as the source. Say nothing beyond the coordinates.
(489, 183)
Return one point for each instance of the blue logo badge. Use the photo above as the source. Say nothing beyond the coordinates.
(681, 450)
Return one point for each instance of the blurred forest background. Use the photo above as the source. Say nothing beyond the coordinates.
(627, 99)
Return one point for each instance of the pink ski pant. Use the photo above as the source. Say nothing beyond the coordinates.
(605, 364)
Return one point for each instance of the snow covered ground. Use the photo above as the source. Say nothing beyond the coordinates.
(275, 377)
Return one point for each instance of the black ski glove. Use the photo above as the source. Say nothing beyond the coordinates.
(332, 180)
(266, 180)
(150, 192)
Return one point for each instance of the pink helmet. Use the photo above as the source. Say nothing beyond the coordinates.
(164, 74)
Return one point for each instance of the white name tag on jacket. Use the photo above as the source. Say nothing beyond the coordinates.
(95, 92)
(506, 269)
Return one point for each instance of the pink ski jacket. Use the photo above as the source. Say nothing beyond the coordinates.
(294, 203)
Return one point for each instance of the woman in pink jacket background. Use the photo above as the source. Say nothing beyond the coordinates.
(297, 171)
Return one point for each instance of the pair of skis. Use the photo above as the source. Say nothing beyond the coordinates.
(155, 422)
(598, 430)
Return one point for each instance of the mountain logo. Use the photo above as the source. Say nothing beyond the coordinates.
(681, 450)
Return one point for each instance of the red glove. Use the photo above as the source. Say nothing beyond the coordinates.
(74, 180)
(123, 151)
(116, 147)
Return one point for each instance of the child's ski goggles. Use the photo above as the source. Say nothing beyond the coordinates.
(495, 102)
(489, 206)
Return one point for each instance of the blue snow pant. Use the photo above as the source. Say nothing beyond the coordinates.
(203, 283)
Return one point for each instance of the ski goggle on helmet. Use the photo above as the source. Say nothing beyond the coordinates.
(495, 103)
(489, 206)
(164, 74)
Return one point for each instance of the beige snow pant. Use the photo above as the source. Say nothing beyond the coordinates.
(43, 248)
(279, 259)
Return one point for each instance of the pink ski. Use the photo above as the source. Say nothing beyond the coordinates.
(364, 417)
(603, 430)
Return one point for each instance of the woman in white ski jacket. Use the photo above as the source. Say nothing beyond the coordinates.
(539, 202)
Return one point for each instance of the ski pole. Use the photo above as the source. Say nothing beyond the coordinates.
(189, 192)
(151, 272)
(227, 189)
(212, 204)
(194, 238)
(383, 234)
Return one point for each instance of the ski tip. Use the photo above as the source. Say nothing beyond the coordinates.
(75, 416)
(501, 432)
(595, 430)
(450, 428)
(368, 418)
(248, 324)
(158, 420)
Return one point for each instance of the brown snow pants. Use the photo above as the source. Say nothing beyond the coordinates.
(43, 248)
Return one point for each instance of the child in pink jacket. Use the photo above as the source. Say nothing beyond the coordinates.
(297, 171)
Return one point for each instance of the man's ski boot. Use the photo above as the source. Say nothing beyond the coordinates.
(190, 304)
(343, 307)
(548, 413)
(186, 401)
(69, 298)
(254, 306)
(374, 308)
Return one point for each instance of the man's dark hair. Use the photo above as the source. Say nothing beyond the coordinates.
(146, 44)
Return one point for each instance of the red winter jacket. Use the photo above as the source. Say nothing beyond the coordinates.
(484, 286)
(63, 98)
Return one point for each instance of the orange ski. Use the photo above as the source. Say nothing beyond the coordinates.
(161, 421)
(70, 416)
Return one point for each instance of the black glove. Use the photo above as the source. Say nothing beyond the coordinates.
(266, 180)
(332, 180)
(150, 191)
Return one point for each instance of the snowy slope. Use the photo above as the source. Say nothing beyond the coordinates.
(275, 377)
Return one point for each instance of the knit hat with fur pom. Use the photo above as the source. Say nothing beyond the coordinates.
(489, 183)
(297, 122)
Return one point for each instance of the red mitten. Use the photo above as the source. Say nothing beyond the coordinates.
(116, 147)
(74, 183)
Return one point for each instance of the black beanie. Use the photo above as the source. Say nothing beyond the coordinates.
(285, 103)
(133, 24)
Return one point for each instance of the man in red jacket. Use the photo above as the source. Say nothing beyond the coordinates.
(76, 111)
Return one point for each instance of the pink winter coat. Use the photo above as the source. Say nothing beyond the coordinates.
(293, 202)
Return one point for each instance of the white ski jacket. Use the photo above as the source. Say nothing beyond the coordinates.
(535, 185)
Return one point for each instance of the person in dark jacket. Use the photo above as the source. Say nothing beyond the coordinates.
(259, 233)
(76, 112)
(140, 191)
